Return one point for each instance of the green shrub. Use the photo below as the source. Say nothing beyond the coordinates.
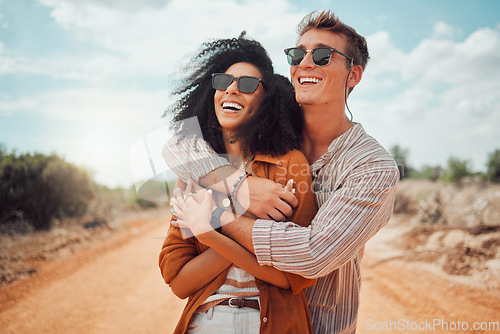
(400, 155)
(428, 172)
(493, 167)
(42, 188)
(457, 169)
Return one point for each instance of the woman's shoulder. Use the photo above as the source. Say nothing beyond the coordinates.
(294, 157)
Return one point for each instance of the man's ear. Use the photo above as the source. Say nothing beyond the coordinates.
(355, 76)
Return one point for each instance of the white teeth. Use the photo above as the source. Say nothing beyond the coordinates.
(313, 80)
(232, 105)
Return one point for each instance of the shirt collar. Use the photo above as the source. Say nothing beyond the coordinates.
(347, 139)
(342, 142)
(267, 158)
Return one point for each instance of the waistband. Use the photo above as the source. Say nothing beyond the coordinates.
(241, 302)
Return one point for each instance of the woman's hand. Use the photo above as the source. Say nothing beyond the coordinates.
(194, 211)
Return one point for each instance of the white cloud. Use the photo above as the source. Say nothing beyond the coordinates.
(9, 106)
(475, 58)
(6, 63)
(4, 24)
(440, 99)
(441, 29)
(122, 107)
(150, 38)
(384, 56)
(95, 127)
(129, 41)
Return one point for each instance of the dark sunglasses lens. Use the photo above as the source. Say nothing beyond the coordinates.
(321, 57)
(295, 56)
(221, 81)
(248, 84)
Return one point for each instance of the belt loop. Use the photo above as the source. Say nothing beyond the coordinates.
(210, 313)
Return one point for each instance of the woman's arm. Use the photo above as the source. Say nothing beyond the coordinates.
(183, 267)
(238, 255)
(195, 214)
(197, 273)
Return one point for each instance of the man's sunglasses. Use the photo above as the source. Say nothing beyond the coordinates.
(320, 56)
(246, 84)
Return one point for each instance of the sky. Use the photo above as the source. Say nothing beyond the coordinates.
(89, 79)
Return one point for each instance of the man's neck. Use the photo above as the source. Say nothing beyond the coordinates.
(322, 126)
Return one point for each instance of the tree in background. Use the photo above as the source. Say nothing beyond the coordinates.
(427, 172)
(493, 166)
(41, 188)
(3, 152)
(400, 155)
(456, 171)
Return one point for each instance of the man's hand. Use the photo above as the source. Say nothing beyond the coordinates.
(263, 198)
(266, 199)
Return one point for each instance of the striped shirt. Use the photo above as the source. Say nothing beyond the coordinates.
(355, 184)
(238, 284)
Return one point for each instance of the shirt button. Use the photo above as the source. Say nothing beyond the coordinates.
(264, 319)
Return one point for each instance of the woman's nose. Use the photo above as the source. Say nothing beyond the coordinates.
(233, 88)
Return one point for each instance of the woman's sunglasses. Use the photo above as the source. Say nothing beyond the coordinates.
(246, 84)
(320, 56)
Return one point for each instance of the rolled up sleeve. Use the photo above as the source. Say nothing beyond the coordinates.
(344, 223)
(261, 238)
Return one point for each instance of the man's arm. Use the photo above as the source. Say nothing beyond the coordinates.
(195, 213)
(239, 229)
(341, 228)
(192, 159)
(196, 160)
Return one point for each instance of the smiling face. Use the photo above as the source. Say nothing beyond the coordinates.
(316, 85)
(232, 107)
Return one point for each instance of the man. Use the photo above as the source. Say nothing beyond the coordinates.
(354, 180)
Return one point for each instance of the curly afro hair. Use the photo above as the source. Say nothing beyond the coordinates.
(277, 125)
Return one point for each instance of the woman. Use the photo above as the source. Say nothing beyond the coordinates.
(249, 113)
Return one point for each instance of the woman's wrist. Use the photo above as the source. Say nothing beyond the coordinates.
(215, 221)
(238, 183)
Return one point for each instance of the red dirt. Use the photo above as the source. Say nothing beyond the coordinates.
(116, 287)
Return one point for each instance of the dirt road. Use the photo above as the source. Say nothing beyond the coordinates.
(415, 297)
(116, 287)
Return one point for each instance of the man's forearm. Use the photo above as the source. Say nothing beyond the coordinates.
(239, 229)
(191, 158)
(195, 160)
(341, 228)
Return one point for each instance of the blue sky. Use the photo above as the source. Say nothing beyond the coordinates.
(90, 79)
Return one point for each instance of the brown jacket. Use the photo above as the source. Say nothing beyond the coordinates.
(282, 310)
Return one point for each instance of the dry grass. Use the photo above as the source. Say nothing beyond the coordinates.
(457, 228)
(24, 250)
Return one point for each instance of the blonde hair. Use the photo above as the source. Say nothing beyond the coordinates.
(326, 19)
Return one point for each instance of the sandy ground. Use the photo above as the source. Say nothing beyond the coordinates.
(418, 297)
(116, 287)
